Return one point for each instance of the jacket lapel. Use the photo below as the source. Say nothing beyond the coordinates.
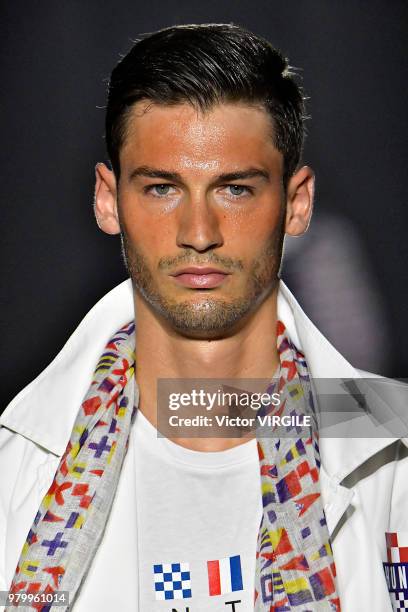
(340, 455)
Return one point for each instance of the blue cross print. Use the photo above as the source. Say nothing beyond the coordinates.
(100, 447)
(54, 544)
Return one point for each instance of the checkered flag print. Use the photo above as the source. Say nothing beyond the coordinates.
(397, 547)
(172, 581)
(400, 601)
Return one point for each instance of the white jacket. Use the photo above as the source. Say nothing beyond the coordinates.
(364, 481)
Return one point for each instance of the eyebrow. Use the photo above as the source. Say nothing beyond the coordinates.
(150, 172)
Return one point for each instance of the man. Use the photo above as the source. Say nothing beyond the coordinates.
(204, 129)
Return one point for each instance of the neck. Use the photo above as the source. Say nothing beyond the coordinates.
(161, 353)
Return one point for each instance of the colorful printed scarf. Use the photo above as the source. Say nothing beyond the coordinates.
(71, 519)
(295, 568)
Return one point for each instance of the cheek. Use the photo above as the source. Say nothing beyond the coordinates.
(148, 233)
(253, 229)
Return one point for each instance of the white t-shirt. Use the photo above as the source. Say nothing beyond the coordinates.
(182, 532)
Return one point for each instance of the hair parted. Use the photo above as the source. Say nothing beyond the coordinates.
(203, 65)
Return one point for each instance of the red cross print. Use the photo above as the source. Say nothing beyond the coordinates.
(122, 371)
(57, 490)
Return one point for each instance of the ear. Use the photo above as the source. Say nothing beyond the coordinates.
(105, 203)
(299, 202)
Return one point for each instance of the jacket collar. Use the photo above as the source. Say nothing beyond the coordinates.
(45, 410)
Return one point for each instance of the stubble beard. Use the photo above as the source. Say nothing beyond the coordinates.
(210, 317)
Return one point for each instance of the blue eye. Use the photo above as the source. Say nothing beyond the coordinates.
(161, 190)
(237, 190)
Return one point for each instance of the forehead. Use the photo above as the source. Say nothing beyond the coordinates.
(233, 134)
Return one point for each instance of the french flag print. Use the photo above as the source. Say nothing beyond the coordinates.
(224, 575)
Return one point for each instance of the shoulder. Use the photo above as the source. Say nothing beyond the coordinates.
(392, 393)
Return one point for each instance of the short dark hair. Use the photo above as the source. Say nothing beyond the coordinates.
(204, 65)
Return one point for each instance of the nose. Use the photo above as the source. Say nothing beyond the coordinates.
(198, 227)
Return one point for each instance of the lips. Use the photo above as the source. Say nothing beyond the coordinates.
(200, 278)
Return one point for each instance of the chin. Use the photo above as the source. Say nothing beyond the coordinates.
(209, 320)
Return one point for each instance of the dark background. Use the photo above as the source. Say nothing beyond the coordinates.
(55, 59)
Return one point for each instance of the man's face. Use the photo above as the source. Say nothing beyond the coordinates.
(202, 213)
